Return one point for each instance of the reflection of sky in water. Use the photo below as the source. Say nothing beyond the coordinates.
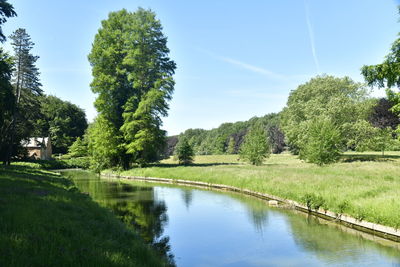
(213, 229)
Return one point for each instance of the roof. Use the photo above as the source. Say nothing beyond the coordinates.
(35, 142)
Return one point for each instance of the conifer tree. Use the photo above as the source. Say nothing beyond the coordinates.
(184, 152)
(27, 89)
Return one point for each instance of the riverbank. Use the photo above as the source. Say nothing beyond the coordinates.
(46, 221)
(364, 186)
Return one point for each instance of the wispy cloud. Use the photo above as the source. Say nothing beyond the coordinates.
(66, 70)
(252, 68)
(311, 34)
(255, 69)
(259, 94)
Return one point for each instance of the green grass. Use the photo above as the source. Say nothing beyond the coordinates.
(46, 221)
(81, 162)
(363, 185)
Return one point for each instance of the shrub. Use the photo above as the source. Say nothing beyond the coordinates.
(322, 144)
(255, 147)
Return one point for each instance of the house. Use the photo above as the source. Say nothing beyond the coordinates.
(38, 147)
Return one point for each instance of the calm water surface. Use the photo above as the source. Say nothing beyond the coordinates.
(195, 227)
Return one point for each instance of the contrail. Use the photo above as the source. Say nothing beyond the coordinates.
(252, 68)
(311, 34)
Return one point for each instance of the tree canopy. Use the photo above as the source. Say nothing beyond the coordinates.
(228, 137)
(386, 74)
(132, 77)
(26, 92)
(6, 11)
(63, 121)
(337, 101)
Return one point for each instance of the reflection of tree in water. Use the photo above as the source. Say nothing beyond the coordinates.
(136, 207)
(259, 217)
(148, 217)
(187, 196)
(257, 210)
(328, 242)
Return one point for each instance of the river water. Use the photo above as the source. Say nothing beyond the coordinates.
(196, 227)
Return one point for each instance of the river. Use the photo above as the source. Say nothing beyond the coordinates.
(198, 227)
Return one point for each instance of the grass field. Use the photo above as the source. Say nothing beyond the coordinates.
(46, 221)
(363, 185)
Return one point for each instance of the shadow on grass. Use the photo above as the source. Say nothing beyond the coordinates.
(368, 157)
(46, 221)
(34, 174)
(173, 165)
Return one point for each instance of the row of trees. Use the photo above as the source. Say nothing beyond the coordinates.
(25, 111)
(228, 137)
(254, 148)
(323, 118)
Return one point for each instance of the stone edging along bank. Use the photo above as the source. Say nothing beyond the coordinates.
(372, 228)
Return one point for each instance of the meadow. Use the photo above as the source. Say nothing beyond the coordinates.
(46, 221)
(363, 185)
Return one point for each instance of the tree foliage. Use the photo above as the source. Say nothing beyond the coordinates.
(6, 11)
(184, 151)
(322, 143)
(386, 74)
(255, 147)
(63, 121)
(382, 115)
(79, 148)
(7, 99)
(132, 77)
(7, 104)
(340, 101)
(27, 91)
(228, 137)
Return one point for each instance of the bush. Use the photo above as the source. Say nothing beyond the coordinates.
(79, 148)
(82, 162)
(313, 201)
(322, 144)
(255, 147)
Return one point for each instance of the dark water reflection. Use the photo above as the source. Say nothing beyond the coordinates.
(194, 227)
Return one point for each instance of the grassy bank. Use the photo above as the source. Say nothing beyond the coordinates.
(364, 185)
(71, 163)
(46, 221)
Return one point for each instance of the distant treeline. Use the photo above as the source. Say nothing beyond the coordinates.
(227, 138)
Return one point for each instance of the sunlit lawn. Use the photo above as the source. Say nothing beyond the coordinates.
(364, 185)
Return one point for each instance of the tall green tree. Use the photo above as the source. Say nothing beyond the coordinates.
(27, 90)
(340, 101)
(132, 77)
(256, 146)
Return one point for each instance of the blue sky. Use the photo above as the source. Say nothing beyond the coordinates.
(236, 59)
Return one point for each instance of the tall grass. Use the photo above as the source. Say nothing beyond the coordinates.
(362, 185)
